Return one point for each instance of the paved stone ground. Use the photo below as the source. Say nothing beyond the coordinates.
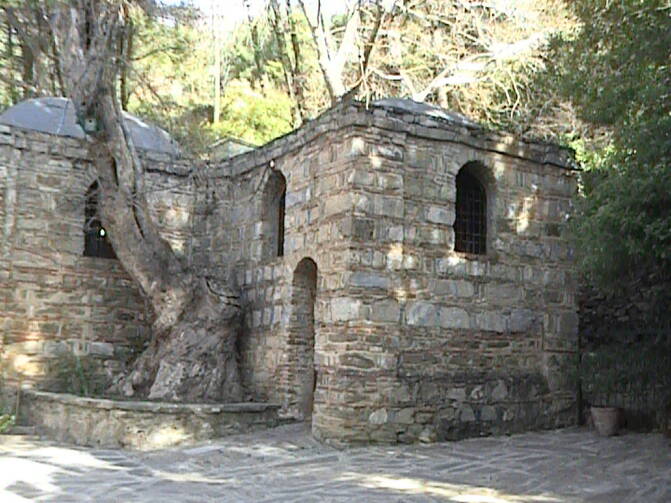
(286, 465)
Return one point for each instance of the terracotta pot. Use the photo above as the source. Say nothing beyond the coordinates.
(606, 420)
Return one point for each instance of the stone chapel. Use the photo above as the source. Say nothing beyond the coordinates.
(404, 272)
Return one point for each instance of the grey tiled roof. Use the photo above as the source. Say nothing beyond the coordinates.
(415, 107)
(57, 116)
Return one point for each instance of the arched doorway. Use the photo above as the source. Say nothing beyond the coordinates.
(301, 339)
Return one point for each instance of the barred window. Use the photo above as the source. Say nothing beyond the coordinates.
(96, 240)
(470, 223)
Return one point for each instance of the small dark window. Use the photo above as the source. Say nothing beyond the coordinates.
(273, 214)
(470, 223)
(280, 222)
(96, 240)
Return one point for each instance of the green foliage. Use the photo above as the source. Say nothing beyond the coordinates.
(602, 375)
(79, 375)
(615, 70)
(170, 76)
(624, 224)
(6, 422)
(7, 415)
(254, 116)
(243, 54)
(616, 372)
(173, 84)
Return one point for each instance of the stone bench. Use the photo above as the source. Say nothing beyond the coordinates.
(138, 425)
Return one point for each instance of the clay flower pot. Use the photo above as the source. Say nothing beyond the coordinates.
(606, 420)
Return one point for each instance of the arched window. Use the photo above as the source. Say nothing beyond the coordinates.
(470, 222)
(281, 208)
(96, 240)
(274, 202)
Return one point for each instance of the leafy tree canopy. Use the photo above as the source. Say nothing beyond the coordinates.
(615, 70)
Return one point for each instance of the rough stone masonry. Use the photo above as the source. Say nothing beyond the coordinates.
(359, 312)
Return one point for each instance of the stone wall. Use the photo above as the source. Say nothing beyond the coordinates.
(139, 425)
(358, 313)
(237, 241)
(411, 338)
(52, 298)
(445, 343)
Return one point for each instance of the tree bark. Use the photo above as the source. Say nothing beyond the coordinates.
(126, 57)
(332, 60)
(29, 23)
(194, 359)
(281, 23)
(191, 355)
(9, 58)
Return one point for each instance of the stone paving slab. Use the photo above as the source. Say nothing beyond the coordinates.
(286, 465)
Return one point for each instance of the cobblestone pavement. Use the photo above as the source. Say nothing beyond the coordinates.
(286, 464)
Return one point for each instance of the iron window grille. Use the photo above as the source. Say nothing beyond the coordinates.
(470, 223)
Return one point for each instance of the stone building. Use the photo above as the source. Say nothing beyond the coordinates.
(403, 272)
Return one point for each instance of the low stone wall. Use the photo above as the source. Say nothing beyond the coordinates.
(138, 425)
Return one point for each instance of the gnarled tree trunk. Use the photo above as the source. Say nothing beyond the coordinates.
(192, 352)
(195, 358)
